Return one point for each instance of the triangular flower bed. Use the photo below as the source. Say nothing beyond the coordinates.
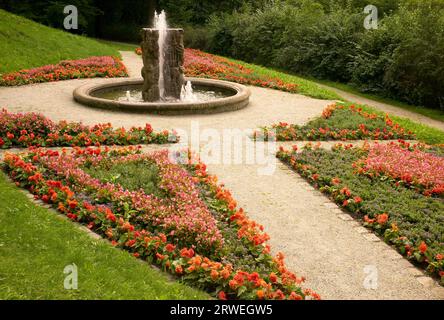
(172, 215)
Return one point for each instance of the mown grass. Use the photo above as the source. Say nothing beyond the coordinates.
(424, 133)
(306, 87)
(428, 112)
(36, 245)
(121, 46)
(26, 44)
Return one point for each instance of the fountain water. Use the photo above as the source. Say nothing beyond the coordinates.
(160, 23)
(187, 93)
(163, 58)
(164, 88)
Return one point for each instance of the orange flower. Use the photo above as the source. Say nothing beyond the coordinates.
(170, 248)
(260, 294)
(382, 218)
(295, 296)
(225, 273)
(191, 268)
(439, 257)
(233, 284)
(214, 275)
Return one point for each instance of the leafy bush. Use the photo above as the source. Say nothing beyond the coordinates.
(402, 59)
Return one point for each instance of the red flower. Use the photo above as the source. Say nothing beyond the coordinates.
(273, 277)
(179, 270)
(357, 200)
(148, 129)
(72, 204)
(160, 256)
(10, 136)
(422, 247)
(439, 257)
(346, 192)
(170, 248)
(187, 253)
(130, 243)
(382, 218)
(222, 296)
(1, 142)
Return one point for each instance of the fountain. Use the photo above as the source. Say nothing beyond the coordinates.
(163, 64)
(163, 88)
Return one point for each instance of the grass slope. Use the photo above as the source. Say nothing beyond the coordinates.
(435, 114)
(306, 87)
(26, 44)
(36, 245)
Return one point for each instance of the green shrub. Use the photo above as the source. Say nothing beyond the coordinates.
(402, 59)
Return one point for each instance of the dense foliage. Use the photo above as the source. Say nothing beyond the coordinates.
(403, 58)
(120, 19)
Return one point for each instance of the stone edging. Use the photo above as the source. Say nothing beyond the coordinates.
(238, 101)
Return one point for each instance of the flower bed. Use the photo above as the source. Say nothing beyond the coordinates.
(204, 65)
(193, 229)
(93, 67)
(32, 129)
(338, 122)
(408, 220)
(407, 165)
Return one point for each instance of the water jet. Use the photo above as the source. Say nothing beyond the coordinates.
(163, 88)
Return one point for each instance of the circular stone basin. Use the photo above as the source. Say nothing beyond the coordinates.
(213, 96)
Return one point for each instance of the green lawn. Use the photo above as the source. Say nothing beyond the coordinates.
(428, 112)
(306, 87)
(27, 44)
(36, 245)
(423, 132)
(121, 46)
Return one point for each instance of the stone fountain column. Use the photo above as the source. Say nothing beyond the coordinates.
(173, 70)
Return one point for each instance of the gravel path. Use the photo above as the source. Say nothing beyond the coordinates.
(319, 241)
